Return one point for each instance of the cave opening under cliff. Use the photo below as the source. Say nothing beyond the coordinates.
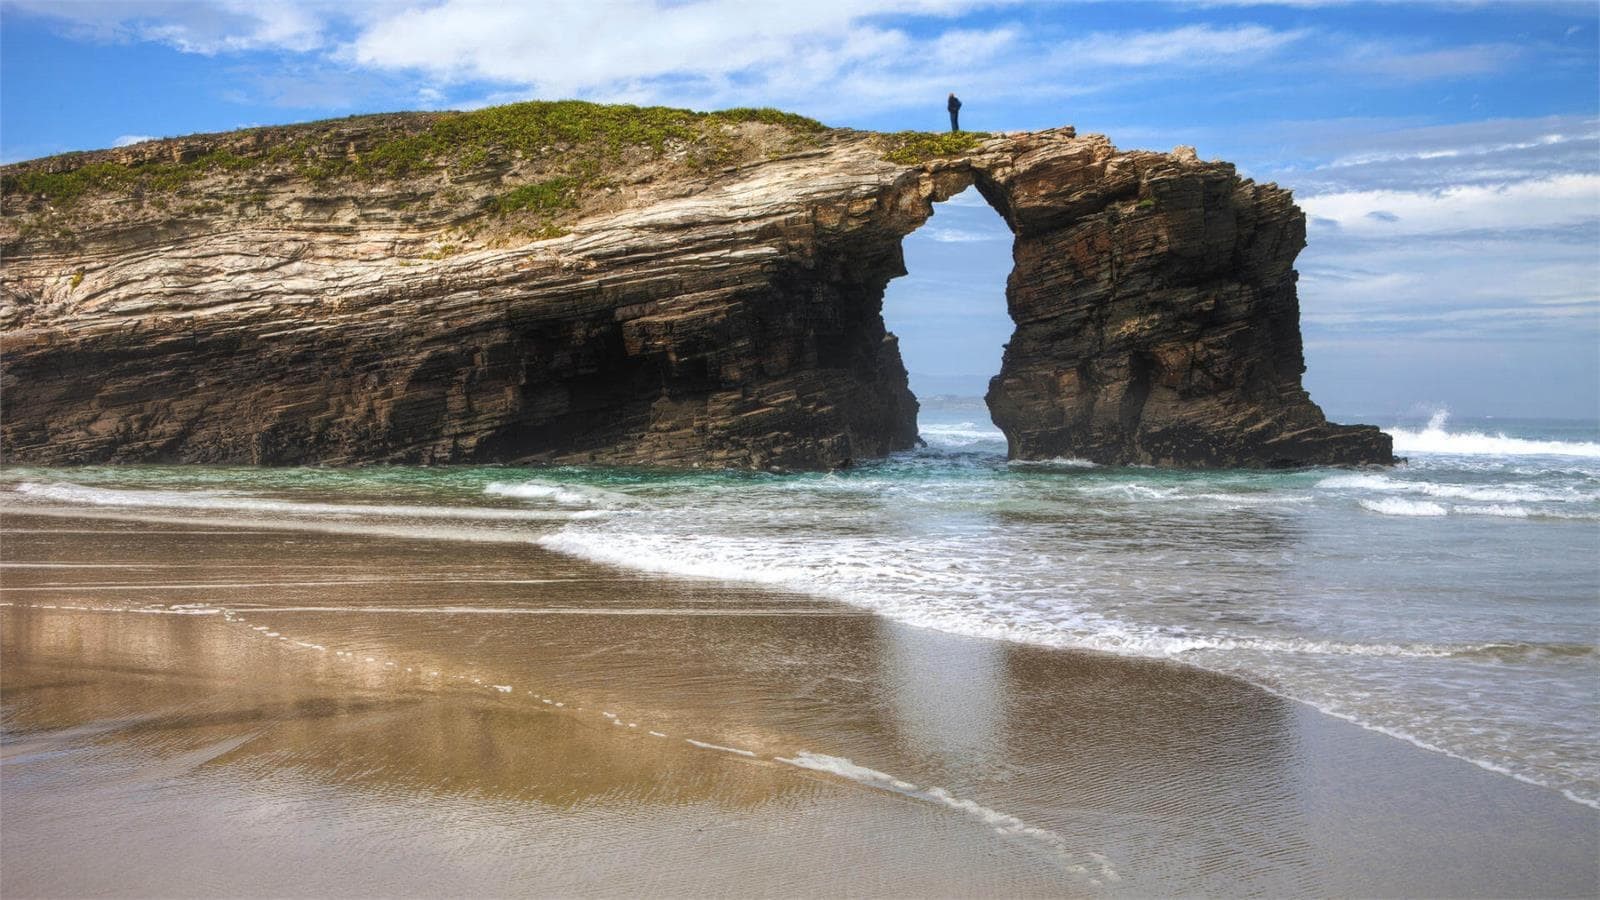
(949, 310)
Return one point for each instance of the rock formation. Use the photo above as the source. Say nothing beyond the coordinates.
(562, 283)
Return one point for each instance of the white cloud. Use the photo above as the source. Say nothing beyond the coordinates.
(1557, 202)
(1389, 61)
(1481, 261)
(826, 57)
(963, 236)
(1518, 284)
(1188, 46)
(128, 140)
(1491, 270)
(970, 198)
(1459, 151)
(1581, 310)
(217, 26)
(964, 46)
(571, 48)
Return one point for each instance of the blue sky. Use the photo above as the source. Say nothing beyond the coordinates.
(1447, 154)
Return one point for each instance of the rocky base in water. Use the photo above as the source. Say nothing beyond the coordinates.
(568, 283)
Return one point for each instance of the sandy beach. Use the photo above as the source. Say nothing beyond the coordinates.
(194, 710)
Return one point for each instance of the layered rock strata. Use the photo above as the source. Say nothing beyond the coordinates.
(679, 313)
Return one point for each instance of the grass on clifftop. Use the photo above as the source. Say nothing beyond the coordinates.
(160, 177)
(537, 128)
(572, 129)
(913, 147)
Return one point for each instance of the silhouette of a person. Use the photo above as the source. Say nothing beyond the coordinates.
(955, 112)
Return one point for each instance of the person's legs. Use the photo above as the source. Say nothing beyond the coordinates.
(954, 127)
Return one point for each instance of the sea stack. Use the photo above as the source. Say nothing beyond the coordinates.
(572, 283)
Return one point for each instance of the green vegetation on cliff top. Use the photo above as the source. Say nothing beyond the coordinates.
(913, 147)
(399, 146)
(579, 136)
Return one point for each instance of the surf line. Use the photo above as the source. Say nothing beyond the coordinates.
(1095, 867)
(705, 746)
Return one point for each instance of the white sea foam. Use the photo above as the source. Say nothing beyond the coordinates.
(1504, 492)
(245, 519)
(1399, 506)
(1507, 501)
(718, 747)
(1412, 739)
(1496, 509)
(669, 611)
(950, 584)
(960, 434)
(907, 595)
(1434, 439)
(178, 609)
(660, 553)
(1059, 462)
(65, 492)
(1093, 865)
(563, 494)
(1133, 491)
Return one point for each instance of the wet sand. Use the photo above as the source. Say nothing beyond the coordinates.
(199, 710)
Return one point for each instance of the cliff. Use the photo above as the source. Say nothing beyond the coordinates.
(569, 283)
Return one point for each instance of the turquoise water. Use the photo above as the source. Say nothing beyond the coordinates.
(1453, 602)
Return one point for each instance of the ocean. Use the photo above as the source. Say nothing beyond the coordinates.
(1452, 602)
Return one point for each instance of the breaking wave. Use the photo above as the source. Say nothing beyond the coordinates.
(1502, 492)
(1506, 498)
(1396, 506)
(563, 494)
(961, 434)
(1434, 439)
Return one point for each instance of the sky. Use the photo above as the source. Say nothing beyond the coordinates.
(1447, 154)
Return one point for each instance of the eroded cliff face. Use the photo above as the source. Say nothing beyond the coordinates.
(711, 300)
(1157, 320)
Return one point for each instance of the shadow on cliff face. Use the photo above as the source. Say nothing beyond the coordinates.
(949, 310)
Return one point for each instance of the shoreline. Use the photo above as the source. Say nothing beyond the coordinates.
(847, 717)
(433, 533)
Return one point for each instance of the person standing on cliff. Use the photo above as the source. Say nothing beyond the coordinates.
(955, 113)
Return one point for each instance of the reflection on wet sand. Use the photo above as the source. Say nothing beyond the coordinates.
(191, 712)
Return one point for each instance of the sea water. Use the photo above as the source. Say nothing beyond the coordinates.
(1452, 602)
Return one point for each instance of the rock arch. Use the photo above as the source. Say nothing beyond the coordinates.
(727, 318)
(1155, 310)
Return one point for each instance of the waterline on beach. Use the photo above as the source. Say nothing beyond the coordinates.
(1289, 580)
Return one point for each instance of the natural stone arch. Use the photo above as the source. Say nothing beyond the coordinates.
(728, 317)
(1155, 311)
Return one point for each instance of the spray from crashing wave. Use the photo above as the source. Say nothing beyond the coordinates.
(1433, 438)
